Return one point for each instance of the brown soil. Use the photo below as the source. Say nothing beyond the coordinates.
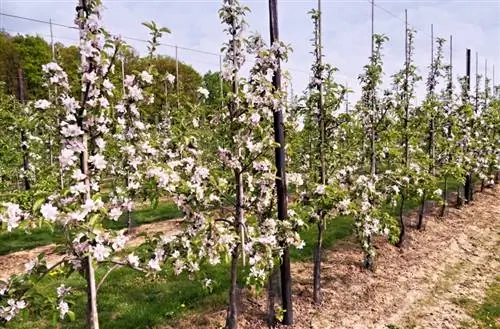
(14, 262)
(418, 286)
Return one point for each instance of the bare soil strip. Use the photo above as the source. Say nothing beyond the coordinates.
(13, 263)
(418, 286)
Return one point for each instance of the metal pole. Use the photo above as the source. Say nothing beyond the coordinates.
(221, 82)
(52, 45)
(486, 91)
(279, 137)
(373, 25)
(407, 107)
(123, 75)
(373, 156)
(347, 98)
(451, 56)
(177, 75)
(468, 178)
(432, 48)
(476, 94)
(467, 68)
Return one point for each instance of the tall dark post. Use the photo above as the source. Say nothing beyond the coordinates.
(406, 159)
(449, 123)
(24, 139)
(468, 179)
(476, 94)
(373, 155)
(279, 137)
(430, 137)
(317, 297)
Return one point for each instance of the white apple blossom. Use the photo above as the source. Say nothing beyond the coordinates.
(42, 104)
(63, 308)
(49, 212)
(133, 260)
(101, 252)
(146, 77)
(202, 91)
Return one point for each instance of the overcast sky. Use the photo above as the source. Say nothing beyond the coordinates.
(474, 24)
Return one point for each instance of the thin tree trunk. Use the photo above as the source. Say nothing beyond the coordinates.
(401, 221)
(317, 296)
(24, 140)
(460, 199)
(468, 189)
(129, 222)
(373, 156)
(421, 213)
(51, 153)
(369, 261)
(92, 315)
(232, 310)
(273, 291)
(26, 161)
(445, 199)
(321, 150)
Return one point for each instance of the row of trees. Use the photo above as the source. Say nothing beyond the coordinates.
(114, 142)
(30, 53)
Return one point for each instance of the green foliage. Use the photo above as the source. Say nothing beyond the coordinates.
(212, 82)
(33, 52)
(9, 63)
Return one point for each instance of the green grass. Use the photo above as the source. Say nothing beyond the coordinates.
(128, 300)
(20, 240)
(486, 314)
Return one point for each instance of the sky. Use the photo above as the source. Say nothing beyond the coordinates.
(474, 24)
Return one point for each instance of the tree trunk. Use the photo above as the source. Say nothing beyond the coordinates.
(92, 315)
(317, 297)
(368, 261)
(26, 163)
(373, 156)
(468, 188)
(421, 213)
(129, 222)
(401, 221)
(445, 199)
(232, 310)
(273, 291)
(460, 198)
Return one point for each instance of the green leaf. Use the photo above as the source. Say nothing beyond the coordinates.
(38, 204)
(71, 316)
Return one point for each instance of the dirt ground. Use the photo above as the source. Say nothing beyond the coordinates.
(14, 262)
(417, 286)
